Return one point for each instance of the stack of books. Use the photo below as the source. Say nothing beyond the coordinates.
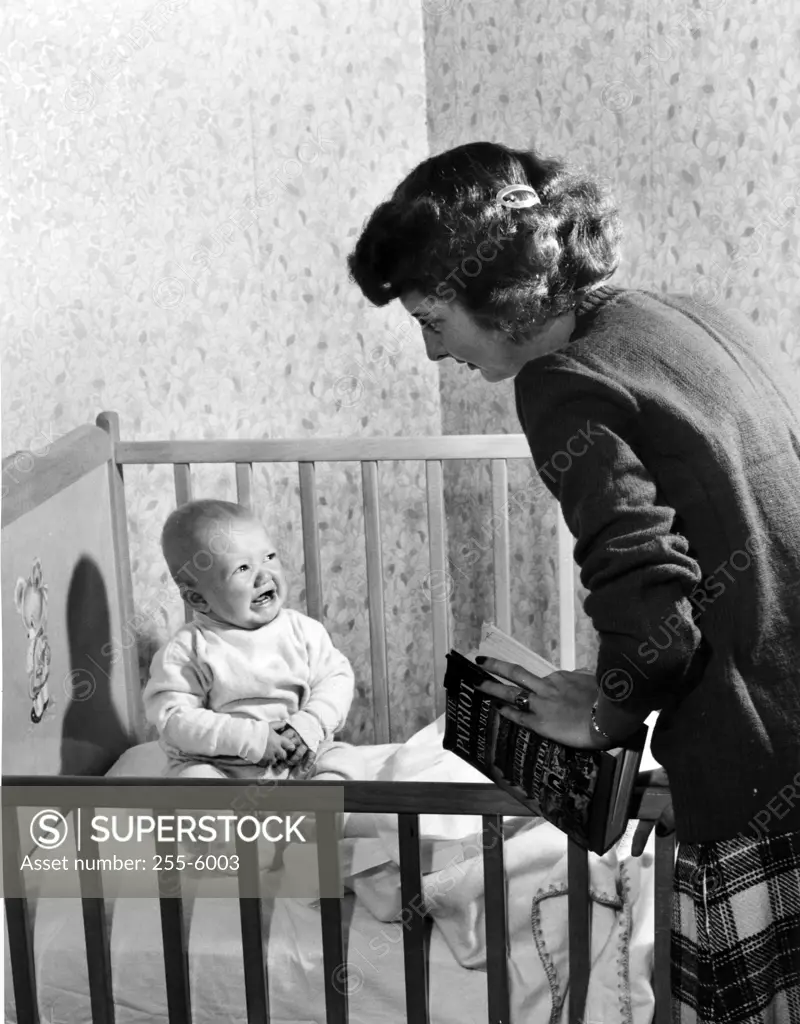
(584, 793)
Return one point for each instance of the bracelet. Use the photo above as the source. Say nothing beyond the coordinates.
(595, 726)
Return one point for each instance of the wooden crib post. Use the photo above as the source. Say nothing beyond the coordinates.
(182, 472)
(109, 421)
(662, 955)
(95, 926)
(377, 620)
(440, 610)
(579, 925)
(244, 484)
(334, 957)
(500, 535)
(566, 595)
(20, 925)
(308, 515)
(495, 903)
(256, 989)
(578, 906)
(415, 931)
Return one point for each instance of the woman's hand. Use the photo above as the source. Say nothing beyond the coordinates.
(560, 704)
(666, 822)
(561, 709)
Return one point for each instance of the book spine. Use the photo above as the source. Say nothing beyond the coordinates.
(521, 757)
(460, 700)
(483, 750)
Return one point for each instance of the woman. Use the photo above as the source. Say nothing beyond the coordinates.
(673, 448)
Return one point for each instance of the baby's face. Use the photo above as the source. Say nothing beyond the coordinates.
(245, 585)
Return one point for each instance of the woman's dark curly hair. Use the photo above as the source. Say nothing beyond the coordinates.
(444, 220)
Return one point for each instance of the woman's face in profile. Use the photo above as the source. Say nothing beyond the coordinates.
(448, 330)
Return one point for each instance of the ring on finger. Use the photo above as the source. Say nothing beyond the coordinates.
(522, 701)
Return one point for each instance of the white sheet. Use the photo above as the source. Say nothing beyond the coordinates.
(535, 857)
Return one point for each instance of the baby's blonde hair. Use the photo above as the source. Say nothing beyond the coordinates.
(189, 533)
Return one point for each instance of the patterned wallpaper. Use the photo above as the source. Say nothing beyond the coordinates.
(690, 111)
(187, 178)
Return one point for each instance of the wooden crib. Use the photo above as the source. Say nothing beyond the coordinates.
(96, 456)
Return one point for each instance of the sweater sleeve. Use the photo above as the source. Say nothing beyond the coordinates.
(331, 683)
(175, 702)
(635, 565)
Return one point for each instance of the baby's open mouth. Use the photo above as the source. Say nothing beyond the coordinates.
(266, 596)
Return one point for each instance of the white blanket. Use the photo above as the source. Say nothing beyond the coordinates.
(621, 890)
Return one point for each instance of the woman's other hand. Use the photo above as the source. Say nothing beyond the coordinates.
(560, 705)
(666, 822)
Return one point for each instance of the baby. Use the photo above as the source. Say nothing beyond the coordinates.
(249, 689)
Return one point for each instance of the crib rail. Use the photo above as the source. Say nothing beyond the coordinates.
(408, 801)
(370, 452)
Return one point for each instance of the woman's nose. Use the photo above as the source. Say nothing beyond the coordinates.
(434, 350)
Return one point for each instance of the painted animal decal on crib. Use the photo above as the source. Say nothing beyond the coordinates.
(30, 598)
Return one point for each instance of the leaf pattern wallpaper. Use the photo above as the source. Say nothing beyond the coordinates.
(689, 110)
(185, 178)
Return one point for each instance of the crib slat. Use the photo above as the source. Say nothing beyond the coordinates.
(95, 927)
(20, 948)
(176, 961)
(377, 622)
(244, 484)
(109, 421)
(18, 921)
(494, 888)
(173, 934)
(98, 960)
(566, 594)
(182, 472)
(664, 871)
(413, 920)
(333, 956)
(308, 513)
(502, 579)
(256, 989)
(440, 609)
(578, 911)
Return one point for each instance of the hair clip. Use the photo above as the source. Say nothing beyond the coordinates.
(525, 196)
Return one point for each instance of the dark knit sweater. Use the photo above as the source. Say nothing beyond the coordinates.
(672, 444)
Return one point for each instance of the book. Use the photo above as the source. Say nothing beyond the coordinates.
(497, 644)
(584, 793)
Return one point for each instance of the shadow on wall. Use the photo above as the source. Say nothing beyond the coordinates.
(93, 734)
(148, 642)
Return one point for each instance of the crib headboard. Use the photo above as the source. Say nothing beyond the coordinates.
(68, 708)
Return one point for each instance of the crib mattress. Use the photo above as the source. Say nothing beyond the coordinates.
(294, 966)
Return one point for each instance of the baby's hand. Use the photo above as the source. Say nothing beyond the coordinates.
(279, 747)
(300, 749)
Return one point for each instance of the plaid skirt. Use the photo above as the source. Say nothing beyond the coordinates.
(736, 932)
